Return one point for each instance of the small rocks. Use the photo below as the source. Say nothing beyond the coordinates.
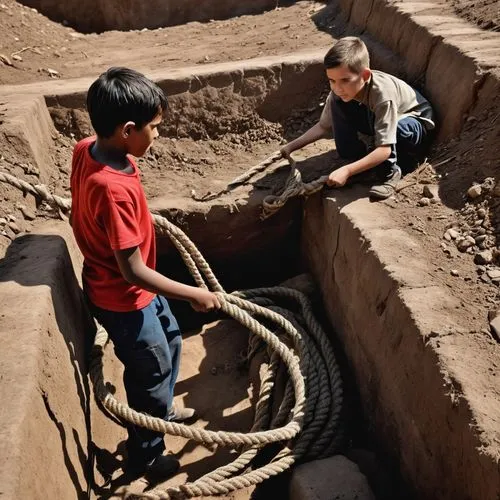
(3, 221)
(455, 273)
(451, 234)
(465, 243)
(494, 274)
(424, 202)
(27, 213)
(488, 184)
(474, 191)
(14, 227)
(431, 191)
(484, 257)
(475, 231)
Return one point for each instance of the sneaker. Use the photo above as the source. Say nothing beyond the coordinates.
(179, 415)
(387, 188)
(159, 469)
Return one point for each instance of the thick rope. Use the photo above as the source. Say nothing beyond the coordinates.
(307, 422)
(241, 179)
(294, 186)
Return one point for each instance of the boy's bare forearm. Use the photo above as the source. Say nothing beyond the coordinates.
(154, 282)
(135, 271)
(340, 175)
(376, 157)
(315, 133)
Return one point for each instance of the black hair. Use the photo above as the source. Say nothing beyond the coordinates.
(120, 95)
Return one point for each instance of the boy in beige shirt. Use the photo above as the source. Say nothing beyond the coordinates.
(375, 104)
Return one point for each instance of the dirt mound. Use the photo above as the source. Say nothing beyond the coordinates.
(484, 13)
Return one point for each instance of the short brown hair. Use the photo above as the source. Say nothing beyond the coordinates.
(350, 51)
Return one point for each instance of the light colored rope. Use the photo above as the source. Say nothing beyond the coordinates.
(294, 186)
(241, 179)
(38, 190)
(309, 427)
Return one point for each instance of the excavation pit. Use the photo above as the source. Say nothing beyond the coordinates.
(400, 324)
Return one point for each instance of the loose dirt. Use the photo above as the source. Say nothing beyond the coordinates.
(37, 48)
(43, 44)
(484, 13)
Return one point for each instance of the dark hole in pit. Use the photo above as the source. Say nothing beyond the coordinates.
(270, 265)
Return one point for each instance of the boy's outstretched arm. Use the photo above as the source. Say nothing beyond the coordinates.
(135, 271)
(316, 132)
(376, 157)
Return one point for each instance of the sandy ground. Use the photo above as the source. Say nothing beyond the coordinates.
(34, 47)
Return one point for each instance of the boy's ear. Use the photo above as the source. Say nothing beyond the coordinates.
(126, 129)
(365, 74)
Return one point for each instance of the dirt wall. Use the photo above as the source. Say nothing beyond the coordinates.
(211, 101)
(425, 383)
(44, 415)
(104, 15)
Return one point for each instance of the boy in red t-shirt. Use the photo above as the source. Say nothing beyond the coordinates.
(114, 230)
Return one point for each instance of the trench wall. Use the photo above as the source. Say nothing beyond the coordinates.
(104, 15)
(422, 396)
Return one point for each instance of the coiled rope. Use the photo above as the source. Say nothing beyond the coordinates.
(307, 424)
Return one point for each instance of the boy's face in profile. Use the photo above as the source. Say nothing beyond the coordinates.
(139, 141)
(345, 83)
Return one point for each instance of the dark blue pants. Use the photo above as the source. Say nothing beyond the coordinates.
(148, 343)
(352, 117)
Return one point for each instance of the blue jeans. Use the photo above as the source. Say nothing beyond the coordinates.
(352, 117)
(148, 343)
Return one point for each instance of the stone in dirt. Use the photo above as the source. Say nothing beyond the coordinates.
(474, 191)
(464, 244)
(423, 202)
(27, 213)
(14, 227)
(485, 257)
(328, 479)
(494, 319)
(431, 191)
(494, 274)
(452, 233)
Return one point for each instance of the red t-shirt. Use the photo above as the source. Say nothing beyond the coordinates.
(109, 212)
